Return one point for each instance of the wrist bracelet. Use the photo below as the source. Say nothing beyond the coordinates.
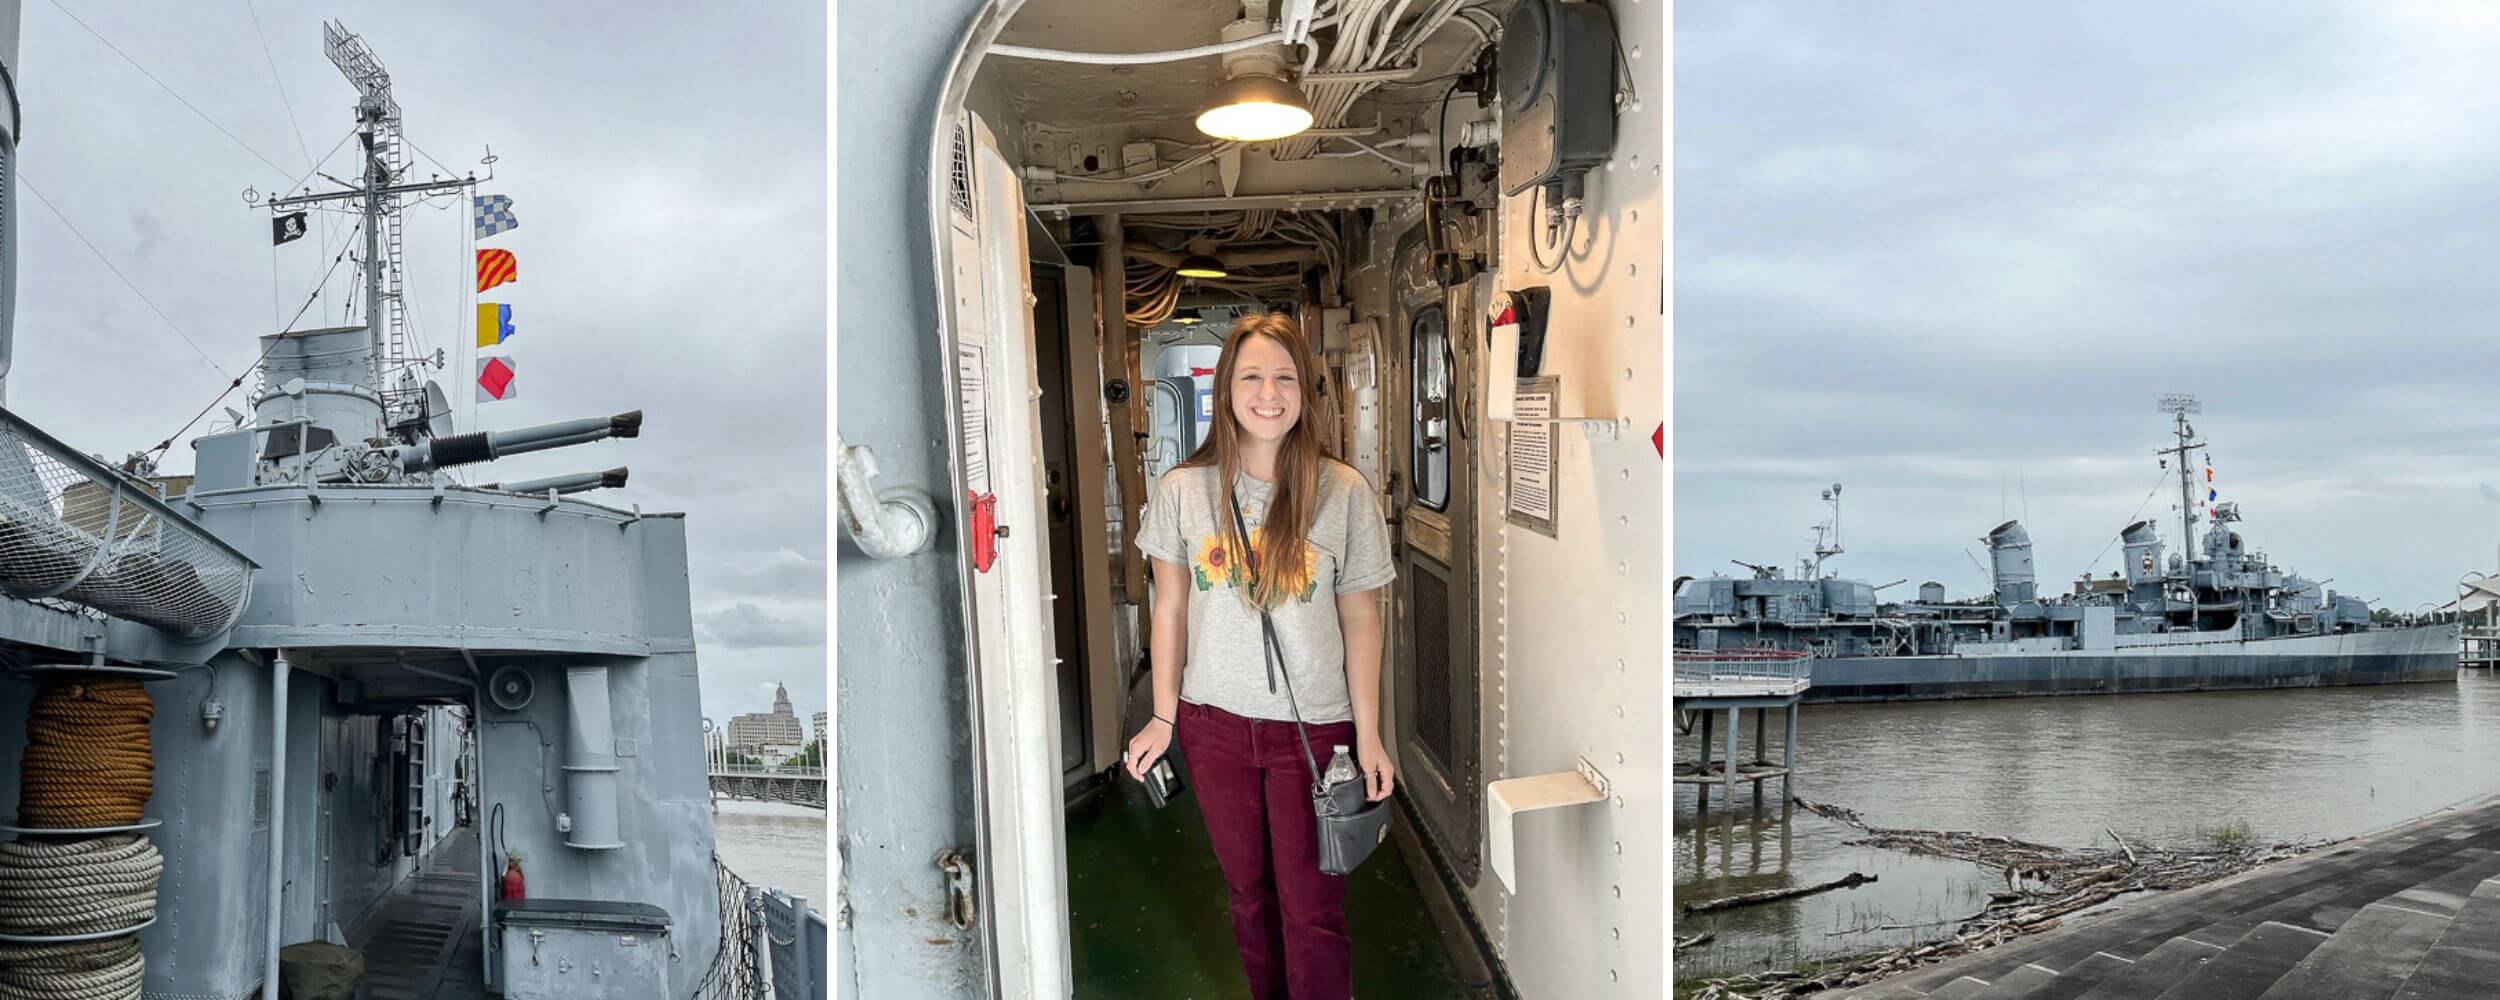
(1175, 726)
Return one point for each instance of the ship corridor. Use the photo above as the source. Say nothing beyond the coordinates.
(1338, 241)
(1479, 359)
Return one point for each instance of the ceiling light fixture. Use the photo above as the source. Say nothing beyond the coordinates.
(1198, 265)
(1255, 103)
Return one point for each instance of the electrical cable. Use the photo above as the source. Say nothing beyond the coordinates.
(168, 443)
(186, 102)
(283, 100)
(117, 272)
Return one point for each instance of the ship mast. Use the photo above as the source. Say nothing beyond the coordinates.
(2179, 405)
(377, 199)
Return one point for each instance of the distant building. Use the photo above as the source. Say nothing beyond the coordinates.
(755, 730)
(777, 754)
(820, 727)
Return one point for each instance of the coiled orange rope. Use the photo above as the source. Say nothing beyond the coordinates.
(89, 761)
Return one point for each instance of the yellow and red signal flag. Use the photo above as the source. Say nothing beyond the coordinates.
(496, 267)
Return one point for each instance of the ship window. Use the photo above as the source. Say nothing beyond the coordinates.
(1428, 350)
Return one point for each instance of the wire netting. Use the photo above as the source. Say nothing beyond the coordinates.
(733, 975)
(71, 529)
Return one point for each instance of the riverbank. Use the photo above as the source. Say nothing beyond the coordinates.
(2177, 771)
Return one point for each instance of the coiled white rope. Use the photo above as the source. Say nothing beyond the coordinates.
(79, 886)
(109, 969)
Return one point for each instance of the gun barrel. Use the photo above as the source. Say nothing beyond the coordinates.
(484, 446)
(575, 483)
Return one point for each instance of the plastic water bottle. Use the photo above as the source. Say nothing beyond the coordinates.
(1344, 783)
(1340, 768)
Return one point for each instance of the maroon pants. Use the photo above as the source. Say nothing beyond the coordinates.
(1255, 789)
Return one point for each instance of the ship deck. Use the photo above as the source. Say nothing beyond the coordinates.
(422, 943)
(1148, 916)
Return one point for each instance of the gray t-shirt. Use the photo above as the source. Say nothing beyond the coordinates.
(1348, 552)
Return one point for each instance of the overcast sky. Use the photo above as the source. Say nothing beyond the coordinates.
(1950, 254)
(667, 164)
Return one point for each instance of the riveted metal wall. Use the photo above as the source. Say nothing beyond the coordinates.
(1574, 665)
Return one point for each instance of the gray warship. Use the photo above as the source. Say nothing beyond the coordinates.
(2218, 617)
(314, 710)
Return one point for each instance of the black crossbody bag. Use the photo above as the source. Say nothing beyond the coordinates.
(1350, 825)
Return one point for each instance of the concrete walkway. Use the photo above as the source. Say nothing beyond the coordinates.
(2410, 912)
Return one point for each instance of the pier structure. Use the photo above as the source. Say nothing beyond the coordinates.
(1715, 683)
(2477, 613)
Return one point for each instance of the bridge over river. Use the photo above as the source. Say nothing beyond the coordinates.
(802, 785)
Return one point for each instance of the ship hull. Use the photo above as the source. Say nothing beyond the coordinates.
(2389, 656)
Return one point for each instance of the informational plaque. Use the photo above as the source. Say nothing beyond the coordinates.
(1532, 455)
(972, 374)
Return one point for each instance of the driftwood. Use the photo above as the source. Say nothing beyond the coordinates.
(2045, 884)
(1697, 939)
(1850, 881)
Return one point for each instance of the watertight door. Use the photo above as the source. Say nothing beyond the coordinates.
(1437, 726)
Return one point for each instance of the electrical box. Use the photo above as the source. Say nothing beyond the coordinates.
(582, 949)
(1558, 92)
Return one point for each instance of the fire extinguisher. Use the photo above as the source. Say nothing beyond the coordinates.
(513, 887)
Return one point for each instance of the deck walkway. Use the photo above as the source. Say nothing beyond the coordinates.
(422, 942)
(2409, 912)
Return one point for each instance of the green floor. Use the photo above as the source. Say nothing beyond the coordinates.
(1148, 918)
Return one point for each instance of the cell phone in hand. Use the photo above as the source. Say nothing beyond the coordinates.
(1164, 782)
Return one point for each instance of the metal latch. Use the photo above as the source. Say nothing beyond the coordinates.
(961, 905)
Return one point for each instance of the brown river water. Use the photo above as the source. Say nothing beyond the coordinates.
(2170, 769)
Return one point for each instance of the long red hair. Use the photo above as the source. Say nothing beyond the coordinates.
(1299, 457)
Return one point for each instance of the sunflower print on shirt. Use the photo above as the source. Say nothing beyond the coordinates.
(1217, 564)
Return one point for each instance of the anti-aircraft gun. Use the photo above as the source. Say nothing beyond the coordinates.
(320, 420)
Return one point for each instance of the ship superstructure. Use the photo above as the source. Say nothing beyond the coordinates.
(2219, 617)
(326, 686)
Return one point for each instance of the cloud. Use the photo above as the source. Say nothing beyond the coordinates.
(1952, 255)
(744, 625)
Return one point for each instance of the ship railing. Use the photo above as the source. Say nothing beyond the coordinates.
(1743, 665)
(76, 529)
(721, 770)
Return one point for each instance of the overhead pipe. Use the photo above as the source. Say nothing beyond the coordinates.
(1147, 58)
(888, 524)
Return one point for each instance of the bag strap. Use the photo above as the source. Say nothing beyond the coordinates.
(1275, 652)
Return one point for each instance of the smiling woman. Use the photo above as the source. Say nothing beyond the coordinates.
(1411, 333)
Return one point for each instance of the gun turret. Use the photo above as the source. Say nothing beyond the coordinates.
(1759, 572)
(575, 483)
(486, 446)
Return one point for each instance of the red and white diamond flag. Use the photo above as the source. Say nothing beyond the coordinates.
(495, 378)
